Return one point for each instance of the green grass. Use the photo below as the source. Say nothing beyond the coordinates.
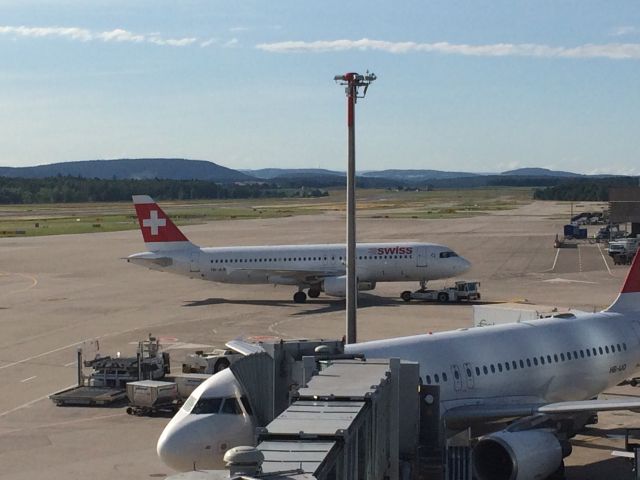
(109, 217)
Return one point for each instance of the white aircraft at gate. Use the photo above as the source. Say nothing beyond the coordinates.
(542, 376)
(315, 268)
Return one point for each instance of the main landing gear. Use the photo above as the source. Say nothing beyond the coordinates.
(300, 297)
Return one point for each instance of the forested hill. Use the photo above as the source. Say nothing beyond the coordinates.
(133, 168)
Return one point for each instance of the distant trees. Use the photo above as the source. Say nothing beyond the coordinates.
(584, 189)
(68, 189)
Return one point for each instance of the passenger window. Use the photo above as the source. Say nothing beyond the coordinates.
(515, 365)
(600, 350)
(478, 371)
(606, 348)
(619, 349)
(581, 353)
(535, 361)
(588, 352)
(456, 375)
(468, 372)
(555, 357)
(521, 364)
(500, 367)
(624, 346)
(595, 352)
(506, 365)
(485, 370)
(231, 406)
(493, 369)
(428, 379)
(575, 355)
(437, 378)
(548, 358)
(613, 349)
(528, 362)
(444, 377)
(542, 360)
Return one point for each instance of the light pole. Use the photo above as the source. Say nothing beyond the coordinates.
(352, 82)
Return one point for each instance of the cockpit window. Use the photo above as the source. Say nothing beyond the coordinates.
(207, 405)
(246, 405)
(448, 254)
(231, 406)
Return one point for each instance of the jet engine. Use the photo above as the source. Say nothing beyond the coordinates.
(521, 455)
(337, 286)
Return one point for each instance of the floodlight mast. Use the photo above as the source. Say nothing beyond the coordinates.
(352, 82)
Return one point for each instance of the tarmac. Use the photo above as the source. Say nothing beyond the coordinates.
(59, 293)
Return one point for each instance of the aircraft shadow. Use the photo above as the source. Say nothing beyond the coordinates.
(610, 468)
(325, 305)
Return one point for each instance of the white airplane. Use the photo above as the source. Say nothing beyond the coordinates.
(317, 268)
(543, 376)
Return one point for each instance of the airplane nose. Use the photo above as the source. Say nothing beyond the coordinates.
(464, 264)
(173, 449)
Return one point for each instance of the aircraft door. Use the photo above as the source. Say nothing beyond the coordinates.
(457, 378)
(195, 262)
(468, 373)
(422, 257)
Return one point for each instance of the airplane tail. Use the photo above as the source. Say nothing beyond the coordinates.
(158, 231)
(629, 297)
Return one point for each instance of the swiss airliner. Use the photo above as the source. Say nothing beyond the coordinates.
(540, 378)
(314, 268)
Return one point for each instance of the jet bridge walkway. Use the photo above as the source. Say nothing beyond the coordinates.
(354, 419)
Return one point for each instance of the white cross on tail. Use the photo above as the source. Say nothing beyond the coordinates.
(154, 222)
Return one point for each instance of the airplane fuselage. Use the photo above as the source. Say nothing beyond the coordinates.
(376, 262)
(547, 360)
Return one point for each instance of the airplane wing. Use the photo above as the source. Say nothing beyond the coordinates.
(484, 412)
(299, 275)
(245, 348)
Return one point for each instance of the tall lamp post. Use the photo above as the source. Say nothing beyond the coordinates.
(352, 82)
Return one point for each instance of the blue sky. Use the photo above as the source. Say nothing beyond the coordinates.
(466, 85)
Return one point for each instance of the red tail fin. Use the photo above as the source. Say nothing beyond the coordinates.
(629, 297)
(157, 228)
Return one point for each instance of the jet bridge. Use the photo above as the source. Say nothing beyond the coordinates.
(353, 419)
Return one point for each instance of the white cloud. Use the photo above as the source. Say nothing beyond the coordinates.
(231, 43)
(610, 50)
(625, 30)
(85, 35)
(208, 42)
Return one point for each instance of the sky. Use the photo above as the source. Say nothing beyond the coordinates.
(480, 86)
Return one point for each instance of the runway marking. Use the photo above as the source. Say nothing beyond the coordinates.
(272, 327)
(605, 260)
(70, 363)
(34, 281)
(33, 357)
(566, 280)
(28, 404)
(27, 379)
(579, 259)
(58, 424)
(555, 260)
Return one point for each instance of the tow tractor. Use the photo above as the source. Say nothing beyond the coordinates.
(462, 291)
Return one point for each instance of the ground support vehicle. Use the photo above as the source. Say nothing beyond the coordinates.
(209, 362)
(148, 397)
(106, 383)
(462, 291)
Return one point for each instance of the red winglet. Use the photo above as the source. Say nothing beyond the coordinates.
(155, 225)
(632, 282)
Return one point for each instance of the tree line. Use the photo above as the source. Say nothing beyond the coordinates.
(69, 189)
(584, 189)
